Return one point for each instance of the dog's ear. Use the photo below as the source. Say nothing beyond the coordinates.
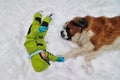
(83, 23)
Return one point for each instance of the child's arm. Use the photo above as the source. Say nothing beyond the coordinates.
(54, 58)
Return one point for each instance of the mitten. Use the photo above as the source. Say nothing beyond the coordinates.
(42, 28)
(60, 59)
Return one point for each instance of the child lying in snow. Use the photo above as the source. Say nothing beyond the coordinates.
(36, 46)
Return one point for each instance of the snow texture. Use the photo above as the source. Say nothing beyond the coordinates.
(15, 19)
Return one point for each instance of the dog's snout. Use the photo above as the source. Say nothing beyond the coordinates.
(62, 34)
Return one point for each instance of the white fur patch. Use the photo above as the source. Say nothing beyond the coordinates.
(86, 47)
(82, 38)
(65, 33)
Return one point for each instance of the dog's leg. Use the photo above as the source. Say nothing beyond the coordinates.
(85, 49)
(91, 55)
(72, 54)
(88, 67)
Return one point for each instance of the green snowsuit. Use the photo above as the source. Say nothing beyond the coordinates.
(35, 41)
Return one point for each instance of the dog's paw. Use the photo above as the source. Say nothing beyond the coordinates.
(89, 69)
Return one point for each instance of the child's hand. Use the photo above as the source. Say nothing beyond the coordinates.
(60, 59)
(42, 28)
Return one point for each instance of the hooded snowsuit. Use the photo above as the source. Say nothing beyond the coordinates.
(35, 42)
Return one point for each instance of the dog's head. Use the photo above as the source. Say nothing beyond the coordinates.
(77, 25)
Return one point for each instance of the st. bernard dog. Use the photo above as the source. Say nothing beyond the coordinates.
(92, 34)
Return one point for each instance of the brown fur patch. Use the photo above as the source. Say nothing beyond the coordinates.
(106, 30)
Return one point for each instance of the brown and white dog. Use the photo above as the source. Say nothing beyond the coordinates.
(92, 34)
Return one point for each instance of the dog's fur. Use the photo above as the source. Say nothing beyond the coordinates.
(92, 34)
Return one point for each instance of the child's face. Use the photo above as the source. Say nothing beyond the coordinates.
(44, 56)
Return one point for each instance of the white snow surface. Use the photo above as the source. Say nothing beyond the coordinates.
(15, 19)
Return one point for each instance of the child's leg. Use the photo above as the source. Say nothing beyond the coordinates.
(36, 22)
(44, 26)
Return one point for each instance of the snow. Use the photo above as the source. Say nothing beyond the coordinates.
(15, 19)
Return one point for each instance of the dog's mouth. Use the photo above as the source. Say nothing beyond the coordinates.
(66, 35)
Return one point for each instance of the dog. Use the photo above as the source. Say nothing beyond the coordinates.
(92, 34)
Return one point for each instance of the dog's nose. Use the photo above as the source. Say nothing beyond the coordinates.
(62, 34)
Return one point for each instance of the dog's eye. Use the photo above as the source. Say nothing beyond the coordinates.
(67, 28)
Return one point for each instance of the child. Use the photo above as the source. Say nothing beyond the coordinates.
(36, 46)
